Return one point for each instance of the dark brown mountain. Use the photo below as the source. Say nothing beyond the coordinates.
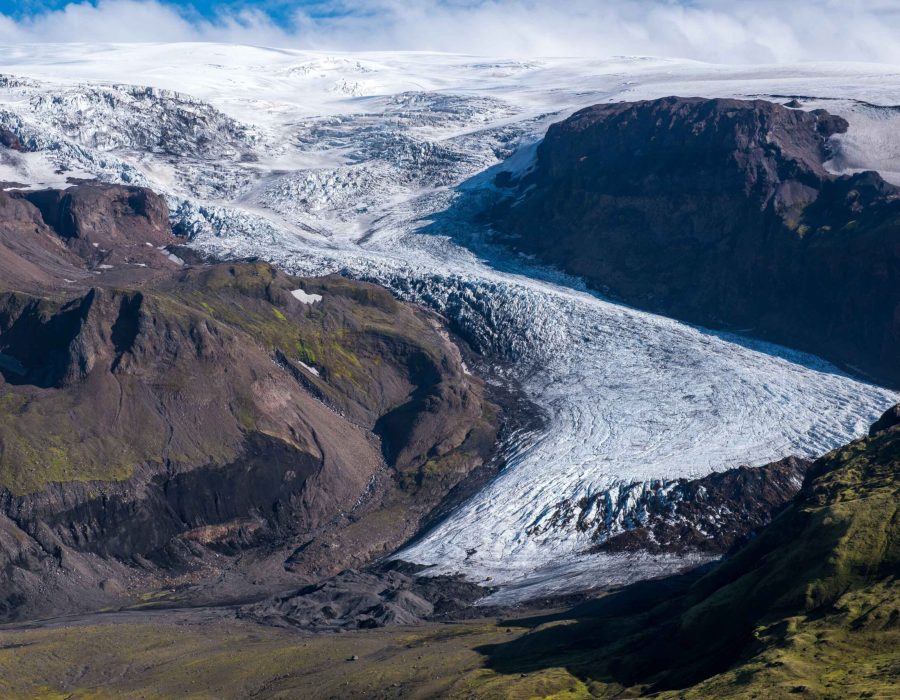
(720, 212)
(200, 428)
(67, 239)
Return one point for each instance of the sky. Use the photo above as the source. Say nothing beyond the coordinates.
(719, 31)
(279, 11)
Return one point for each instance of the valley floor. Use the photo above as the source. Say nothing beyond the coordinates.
(206, 654)
(202, 655)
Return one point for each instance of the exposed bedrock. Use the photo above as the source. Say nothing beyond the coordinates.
(711, 515)
(720, 212)
(88, 234)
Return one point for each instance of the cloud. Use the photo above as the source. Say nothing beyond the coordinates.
(752, 31)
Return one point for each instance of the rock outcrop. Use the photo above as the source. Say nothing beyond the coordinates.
(106, 224)
(719, 212)
(57, 240)
(712, 515)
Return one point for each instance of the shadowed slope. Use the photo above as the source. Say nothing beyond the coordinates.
(812, 603)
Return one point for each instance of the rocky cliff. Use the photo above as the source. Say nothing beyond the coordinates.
(719, 212)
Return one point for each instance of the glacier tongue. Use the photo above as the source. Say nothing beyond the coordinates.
(354, 163)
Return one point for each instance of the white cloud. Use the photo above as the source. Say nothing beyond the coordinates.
(709, 30)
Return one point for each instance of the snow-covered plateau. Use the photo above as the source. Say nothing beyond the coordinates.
(368, 164)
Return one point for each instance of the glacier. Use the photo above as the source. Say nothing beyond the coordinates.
(372, 164)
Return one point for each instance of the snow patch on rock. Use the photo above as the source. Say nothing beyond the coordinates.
(305, 298)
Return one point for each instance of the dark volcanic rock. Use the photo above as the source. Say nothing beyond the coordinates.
(112, 224)
(88, 234)
(32, 257)
(712, 515)
(383, 596)
(9, 140)
(720, 212)
(888, 420)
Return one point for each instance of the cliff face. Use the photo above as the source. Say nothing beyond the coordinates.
(53, 239)
(719, 212)
(161, 421)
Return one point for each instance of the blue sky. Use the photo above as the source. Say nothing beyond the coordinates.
(279, 10)
(719, 31)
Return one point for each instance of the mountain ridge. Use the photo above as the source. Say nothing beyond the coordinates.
(720, 212)
(160, 420)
